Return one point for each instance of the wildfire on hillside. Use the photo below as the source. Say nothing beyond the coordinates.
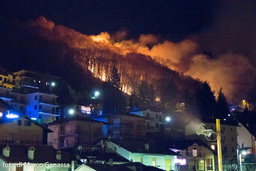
(98, 53)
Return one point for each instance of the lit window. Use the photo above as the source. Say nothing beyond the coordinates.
(1, 114)
(154, 162)
(194, 152)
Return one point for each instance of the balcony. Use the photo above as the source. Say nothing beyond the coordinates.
(48, 112)
(6, 96)
(47, 101)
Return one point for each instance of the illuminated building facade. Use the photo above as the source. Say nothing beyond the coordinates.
(147, 153)
(194, 154)
(42, 107)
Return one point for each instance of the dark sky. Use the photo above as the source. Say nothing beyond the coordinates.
(173, 19)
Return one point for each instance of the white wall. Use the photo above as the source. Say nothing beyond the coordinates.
(244, 137)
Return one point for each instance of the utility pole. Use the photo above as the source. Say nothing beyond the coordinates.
(219, 144)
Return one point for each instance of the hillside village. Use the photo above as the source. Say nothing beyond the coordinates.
(40, 124)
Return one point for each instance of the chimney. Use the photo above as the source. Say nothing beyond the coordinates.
(58, 155)
(147, 146)
(31, 153)
(6, 151)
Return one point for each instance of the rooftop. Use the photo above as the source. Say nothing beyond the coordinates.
(138, 146)
(42, 154)
(75, 118)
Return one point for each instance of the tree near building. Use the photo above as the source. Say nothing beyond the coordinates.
(205, 100)
(222, 105)
(113, 99)
(146, 95)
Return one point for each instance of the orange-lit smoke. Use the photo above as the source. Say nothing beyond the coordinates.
(234, 73)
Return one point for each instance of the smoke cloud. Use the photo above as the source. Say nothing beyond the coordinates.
(231, 71)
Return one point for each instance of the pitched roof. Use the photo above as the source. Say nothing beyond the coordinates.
(5, 121)
(42, 154)
(184, 144)
(124, 167)
(104, 156)
(118, 114)
(76, 118)
(138, 146)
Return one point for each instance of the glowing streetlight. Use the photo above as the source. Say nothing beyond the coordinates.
(53, 84)
(71, 111)
(168, 119)
(96, 93)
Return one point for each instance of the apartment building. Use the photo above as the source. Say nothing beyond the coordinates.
(42, 107)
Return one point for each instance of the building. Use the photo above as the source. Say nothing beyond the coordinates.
(6, 79)
(154, 121)
(4, 108)
(123, 125)
(36, 158)
(22, 130)
(72, 132)
(228, 138)
(15, 99)
(147, 153)
(29, 81)
(194, 155)
(42, 107)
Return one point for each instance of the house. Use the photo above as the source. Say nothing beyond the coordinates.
(36, 158)
(74, 131)
(148, 153)
(123, 125)
(194, 154)
(228, 137)
(22, 130)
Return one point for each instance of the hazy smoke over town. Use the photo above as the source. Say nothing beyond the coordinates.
(231, 70)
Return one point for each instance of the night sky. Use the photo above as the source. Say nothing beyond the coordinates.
(171, 19)
(223, 33)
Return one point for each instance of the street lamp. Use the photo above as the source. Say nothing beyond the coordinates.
(53, 84)
(96, 94)
(71, 111)
(168, 119)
